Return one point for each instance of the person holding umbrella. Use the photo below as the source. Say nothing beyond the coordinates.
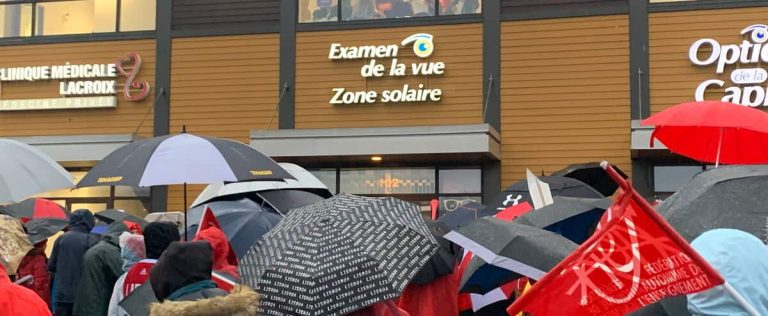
(16, 299)
(67, 257)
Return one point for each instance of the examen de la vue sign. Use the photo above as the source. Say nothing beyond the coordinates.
(375, 67)
(749, 76)
(80, 85)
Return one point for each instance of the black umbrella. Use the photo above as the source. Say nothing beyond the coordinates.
(522, 249)
(40, 229)
(220, 208)
(559, 186)
(593, 175)
(725, 197)
(244, 228)
(464, 215)
(287, 199)
(338, 256)
(573, 218)
(35, 208)
(111, 215)
(443, 261)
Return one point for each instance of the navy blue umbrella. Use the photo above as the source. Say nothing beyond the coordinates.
(244, 228)
(464, 215)
(572, 218)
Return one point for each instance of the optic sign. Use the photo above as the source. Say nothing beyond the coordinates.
(748, 76)
(80, 85)
(422, 47)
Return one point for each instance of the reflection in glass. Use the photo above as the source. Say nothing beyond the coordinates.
(379, 9)
(76, 17)
(460, 181)
(15, 20)
(453, 7)
(327, 177)
(318, 11)
(137, 15)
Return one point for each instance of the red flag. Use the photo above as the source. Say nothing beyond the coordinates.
(216, 239)
(514, 211)
(635, 259)
(207, 220)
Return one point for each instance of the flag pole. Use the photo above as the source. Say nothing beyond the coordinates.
(740, 299)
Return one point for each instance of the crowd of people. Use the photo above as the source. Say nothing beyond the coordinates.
(88, 274)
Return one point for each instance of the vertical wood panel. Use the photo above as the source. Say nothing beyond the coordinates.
(564, 94)
(223, 86)
(125, 118)
(459, 46)
(673, 77)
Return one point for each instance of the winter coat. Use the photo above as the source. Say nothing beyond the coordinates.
(157, 237)
(435, 298)
(241, 302)
(182, 264)
(67, 255)
(132, 251)
(18, 300)
(742, 260)
(35, 263)
(102, 266)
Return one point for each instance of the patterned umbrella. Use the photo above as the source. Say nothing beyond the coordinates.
(338, 256)
(14, 245)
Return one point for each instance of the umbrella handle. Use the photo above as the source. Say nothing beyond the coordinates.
(623, 184)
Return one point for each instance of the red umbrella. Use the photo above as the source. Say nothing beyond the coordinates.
(713, 131)
(35, 208)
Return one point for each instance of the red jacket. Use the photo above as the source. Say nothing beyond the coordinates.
(18, 300)
(36, 264)
(224, 259)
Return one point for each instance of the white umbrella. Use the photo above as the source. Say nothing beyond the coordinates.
(26, 171)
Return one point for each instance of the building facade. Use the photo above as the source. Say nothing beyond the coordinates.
(435, 99)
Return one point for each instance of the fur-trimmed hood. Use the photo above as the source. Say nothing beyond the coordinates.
(241, 302)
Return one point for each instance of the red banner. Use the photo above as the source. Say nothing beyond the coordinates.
(634, 260)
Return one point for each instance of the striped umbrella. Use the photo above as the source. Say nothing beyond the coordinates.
(35, 208)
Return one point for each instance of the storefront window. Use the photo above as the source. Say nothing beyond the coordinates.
(460, 181)
(450, 203)
(328, 177)
(388, 181)
(59, 17)
(668, 179)
(355, 10)
(97, 199)
(16, 20)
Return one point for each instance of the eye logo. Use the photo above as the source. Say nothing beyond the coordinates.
(422, 44)
(759, 32)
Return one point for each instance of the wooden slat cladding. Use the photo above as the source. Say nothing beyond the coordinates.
(458, 46)
(524, 9)
(125, 118)
(223, 86)
(673, 77)
(564, 94)
(206, 14)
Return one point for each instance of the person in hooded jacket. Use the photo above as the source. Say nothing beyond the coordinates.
(35, 263)
(102, 265)
(132, 251)
(156, 238)
(182, 283)
(66, 259)
(224, 258)
(742, 261)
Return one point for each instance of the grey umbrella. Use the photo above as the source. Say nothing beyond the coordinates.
(573, 218)
(26, 171)
(725, 197)
(338, 256)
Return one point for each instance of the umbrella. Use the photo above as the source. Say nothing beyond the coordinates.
(182, 159)
(443, 261)
(573, 218)
(40, 229)
(464, 215)
(26, 171)
(713, 131)
(14, 245)
(305, 181)
(220, 208)
(112, 215)
(99, 229)
(522, 249)
(338, 256)
(138, 301)
(285, 200)
(593, 175)
(726, 197)
(35, 208)
(244, 228)
(559, 186)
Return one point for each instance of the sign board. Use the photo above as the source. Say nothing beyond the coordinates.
(749, 56)
(382, 61)
(80, 85)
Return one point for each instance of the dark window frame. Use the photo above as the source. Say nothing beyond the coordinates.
(116, 34)
(404, 21)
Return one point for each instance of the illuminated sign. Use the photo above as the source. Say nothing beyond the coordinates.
(423, 47)
(748, 78)
(80, 85)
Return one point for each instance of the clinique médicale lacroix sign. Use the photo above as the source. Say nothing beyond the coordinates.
(383, 62)
(80, 85)
(748, 77)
